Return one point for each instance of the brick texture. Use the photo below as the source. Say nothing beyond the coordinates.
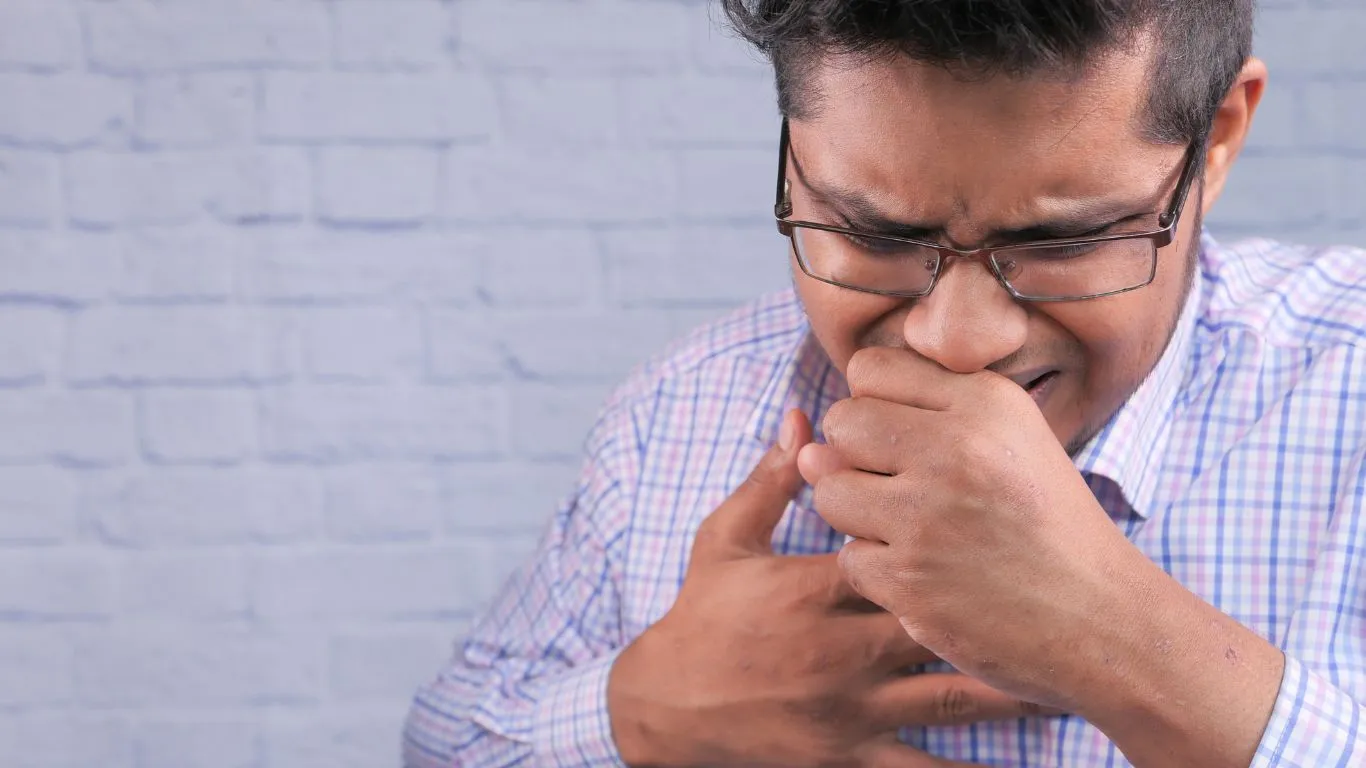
(306, 306)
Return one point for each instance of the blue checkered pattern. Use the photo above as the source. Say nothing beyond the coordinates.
(1239, 466)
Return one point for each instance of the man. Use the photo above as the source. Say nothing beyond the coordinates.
(1102, 479)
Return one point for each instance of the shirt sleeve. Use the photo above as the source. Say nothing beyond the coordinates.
(528, 687)
(1317, 721)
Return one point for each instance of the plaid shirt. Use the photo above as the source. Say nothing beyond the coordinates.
(1239, 466)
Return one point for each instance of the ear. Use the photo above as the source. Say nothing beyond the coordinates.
(1230, 129)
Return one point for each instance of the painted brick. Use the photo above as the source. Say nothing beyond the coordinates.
(37, 505)
(30, 194)
(382, 34)
(362, 343)
(106, 189)
(259, 185)
(506, 497)
(59, 425)
(1278, 119)
(197, 743)
(1333, 115)
(208, 506)
(607, 35)
(557, 185)
(351, 266)
(596, 346)
(211, 665)
(61, 739)
(715, 48)
(665, 109)
(1347, 214)
(542, 268)
(463, 347)
(62, 267)
(349, 423)
(175, 345)
(1276, 192)
(197, 425)
(1282, 33)
(35, 665)
(52, 584)
(694, 265)
(30, 338)
(199, 110)
(198, 586)
(551, 421)
(349, 737)
(39, 33)
(181, 264)
(384, 502)
(398, 582)
(728, 184)
(559, 109)
(377, 107)
(377, 185)
(140, 36)
(387, 662)
(124, 188)
(62, 110)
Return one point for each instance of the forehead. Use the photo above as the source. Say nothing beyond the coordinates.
(1048, 108)
(905, 131)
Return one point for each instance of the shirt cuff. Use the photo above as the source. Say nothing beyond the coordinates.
(572, 727)
(1313, 724)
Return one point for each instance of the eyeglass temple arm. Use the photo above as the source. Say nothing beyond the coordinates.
(782, 206)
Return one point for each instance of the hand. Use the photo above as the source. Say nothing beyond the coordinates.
(973, 526)
(775, 661)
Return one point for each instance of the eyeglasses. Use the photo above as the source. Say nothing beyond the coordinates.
(1069, 269)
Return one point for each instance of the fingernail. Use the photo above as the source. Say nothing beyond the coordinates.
(785, 436)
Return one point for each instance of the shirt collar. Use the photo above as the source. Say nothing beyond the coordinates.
(802, 377)
(1131, 448)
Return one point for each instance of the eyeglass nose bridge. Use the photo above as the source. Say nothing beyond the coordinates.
(1000, 272)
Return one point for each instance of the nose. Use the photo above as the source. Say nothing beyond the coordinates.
(968, 321)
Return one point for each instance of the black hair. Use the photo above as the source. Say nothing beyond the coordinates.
(1199, 46)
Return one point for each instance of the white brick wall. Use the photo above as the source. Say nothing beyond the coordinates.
(306, 305)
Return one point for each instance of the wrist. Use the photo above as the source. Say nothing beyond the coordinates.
(1186, 684)
(640, 728)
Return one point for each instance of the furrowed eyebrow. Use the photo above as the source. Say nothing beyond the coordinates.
(862, 214)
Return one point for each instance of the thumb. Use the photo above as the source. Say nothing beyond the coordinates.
(745, 522)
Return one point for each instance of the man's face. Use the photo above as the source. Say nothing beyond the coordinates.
(968, 161)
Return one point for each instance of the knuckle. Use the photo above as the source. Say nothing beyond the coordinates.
(978, 450)
(952, 704)
(837, 420)
(906, 499)
(862, 366)
(709, 536)
(827, 493)
(874, 365)
(853, 574)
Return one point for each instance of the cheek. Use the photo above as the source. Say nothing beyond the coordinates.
(840, 318)
(1120, 339)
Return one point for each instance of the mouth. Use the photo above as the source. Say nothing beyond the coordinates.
(1038, 385)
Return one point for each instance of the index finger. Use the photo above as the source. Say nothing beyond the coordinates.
(903, 376)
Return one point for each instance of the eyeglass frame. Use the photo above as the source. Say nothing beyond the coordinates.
(1160, 238)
